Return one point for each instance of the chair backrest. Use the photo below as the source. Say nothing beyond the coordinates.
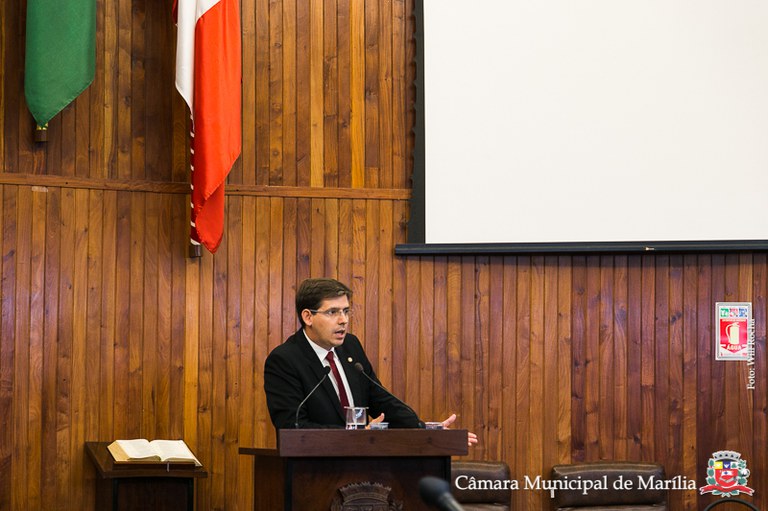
(481, 471)
(607, 473)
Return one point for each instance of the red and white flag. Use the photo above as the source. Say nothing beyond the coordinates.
(209, 78)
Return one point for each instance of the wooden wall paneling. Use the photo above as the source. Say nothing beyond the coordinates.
(660, 353)
(107, 24)
(634, 335)
(7, 345)
(370, 329)
(372, 275)
(233, 397)
(674, 356)
(647, 354)
(264, 432)
(138, 398)
(249, 383)
(482, 341)
(745, 396)
(408, 371)
(285, 260)
(371, 93)
(578, 333)
(148, 315)
(423, 346)
(166, 375)
(605, 355)
(330, 85)
(468, 364)
(385, 43)
(730, 388)
(218, 389)
(523, 462)
(400, 97)
(536, 350)
(318, 222)
(704, 363)
(344, 110)
(440, 384)
(759, 460)
(550, 360)
(620, 341)
(385, 294)
(108, 333)
(564, 359)
(258, 148)
(357, 92)
(316, 96)
(66, 477)
(12, 86)
(5, 38)
(289, 93)
(276, 40)
(97, 114)
(453, 312)
(690, 387)
(508, 402)
(160, 69)
(21, 366)
(90, 256)
(303, 95)
(123, 403)
(399, 317)
(250, 86)
(48, 440)
(229, 370)
(495, 338)
(357, 254)
(333, 251)
(124, 78)
(593, 385)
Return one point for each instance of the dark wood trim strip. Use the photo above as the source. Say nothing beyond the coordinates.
(183, 188)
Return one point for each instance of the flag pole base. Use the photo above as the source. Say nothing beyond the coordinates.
(195, 251)
(41, 133)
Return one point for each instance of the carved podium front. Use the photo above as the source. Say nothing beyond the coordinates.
(351, 470)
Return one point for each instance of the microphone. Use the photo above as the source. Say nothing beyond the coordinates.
(326, 370)
(359, 368)
(436, 492)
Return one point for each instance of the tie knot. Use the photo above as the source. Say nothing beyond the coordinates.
(329, 356)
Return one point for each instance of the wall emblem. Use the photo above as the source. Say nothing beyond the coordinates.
(727, 475)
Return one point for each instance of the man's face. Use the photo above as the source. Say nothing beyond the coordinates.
(327, 326)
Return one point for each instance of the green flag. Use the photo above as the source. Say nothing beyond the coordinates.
(61, 54)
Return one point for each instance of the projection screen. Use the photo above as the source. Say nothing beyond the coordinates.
(572, 124)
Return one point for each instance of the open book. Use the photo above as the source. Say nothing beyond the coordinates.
(156, 451)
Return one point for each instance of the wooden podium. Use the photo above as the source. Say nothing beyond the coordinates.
(336, 469)
(140, 486)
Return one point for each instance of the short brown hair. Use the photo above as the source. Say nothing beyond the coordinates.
(312, 292)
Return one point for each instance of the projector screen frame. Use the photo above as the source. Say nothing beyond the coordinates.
(416, 227)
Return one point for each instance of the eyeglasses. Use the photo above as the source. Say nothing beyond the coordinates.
(332, 313)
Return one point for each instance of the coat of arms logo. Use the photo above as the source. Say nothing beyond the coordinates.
(727, 475)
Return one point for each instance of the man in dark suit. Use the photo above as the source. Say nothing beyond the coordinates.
(293, 369)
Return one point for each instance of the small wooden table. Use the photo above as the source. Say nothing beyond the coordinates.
(140, 486)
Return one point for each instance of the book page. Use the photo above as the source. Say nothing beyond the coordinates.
(173, 450)
(138, 449)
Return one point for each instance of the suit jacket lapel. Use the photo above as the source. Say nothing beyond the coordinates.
(319, 371)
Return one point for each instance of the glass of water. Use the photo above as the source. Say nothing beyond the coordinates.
(357, 417)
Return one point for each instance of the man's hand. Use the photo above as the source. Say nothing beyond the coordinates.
(471, 437)
(378, 419)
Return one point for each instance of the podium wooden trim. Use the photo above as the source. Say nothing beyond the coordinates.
(124, 485)
(310, 465)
